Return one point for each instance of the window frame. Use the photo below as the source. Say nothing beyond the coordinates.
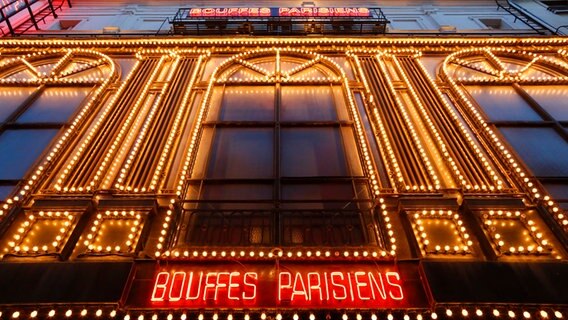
(275, 207)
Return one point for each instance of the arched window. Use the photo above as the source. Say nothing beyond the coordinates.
(279, 160)
(40, 94)
(522, 95)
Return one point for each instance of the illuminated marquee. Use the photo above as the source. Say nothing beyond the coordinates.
(230, 12)
(279, 12)
(323, 12)
(357, 285)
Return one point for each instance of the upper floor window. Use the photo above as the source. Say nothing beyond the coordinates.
(40, 95)
(278, 161)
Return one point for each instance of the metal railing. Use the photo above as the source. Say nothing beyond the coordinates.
(256, 225)
(518, 13)
(184, 23)
(35, 16)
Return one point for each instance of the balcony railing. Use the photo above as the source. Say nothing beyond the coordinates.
(278, 228)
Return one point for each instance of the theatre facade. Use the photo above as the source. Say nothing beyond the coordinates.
(284, 178)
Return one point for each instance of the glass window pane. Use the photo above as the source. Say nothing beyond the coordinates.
(20, 148)
(241, 153)
(215, 104)
(245, 74)
(237, 191)
(269, 65)
(205, 142)
(431, 64)
(308, 73)
(323, 229)
(503, 103)
(210, 66)
(307, 104)
(340, 103)
(345, 65)
(55, 105)
(100, 72)
(247, 104)
(352, 152)
(406, 24)
(72, 66)
(312, 152)
(552, 99)
(126, 65)
(45, 68)
(22, 75)
(318, 191)
(287, 65)
(224, 228)
(542, 149)
(11, 99)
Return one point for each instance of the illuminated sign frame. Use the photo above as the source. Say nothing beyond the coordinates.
(280, 12)
(285, 284)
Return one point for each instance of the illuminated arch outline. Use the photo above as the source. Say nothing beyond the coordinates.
(162, 252)
(63, 137)
(239, 58)
(501, 74)
(486, 130)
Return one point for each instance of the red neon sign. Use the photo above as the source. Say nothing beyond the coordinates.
(294, 285)
(323, 12)
(280, 12)
(230, 12)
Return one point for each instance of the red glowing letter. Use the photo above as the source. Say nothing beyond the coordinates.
(195, 12)
(233, 12)
(265, 12)
(360, 284)
(190, 284)
(325, 12)
(399, 295)
(373, 284)
(233, 285)
(299, 287)
(363, 12)
(161, 284)
(253, 276)
(177, 287)
(338, 285)
(220, 284)
(295, 12)
(208, 12)
(350, 286)
(208, 285)
(316, 285)
(352, 12)
(281, 284)
(307, 12)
